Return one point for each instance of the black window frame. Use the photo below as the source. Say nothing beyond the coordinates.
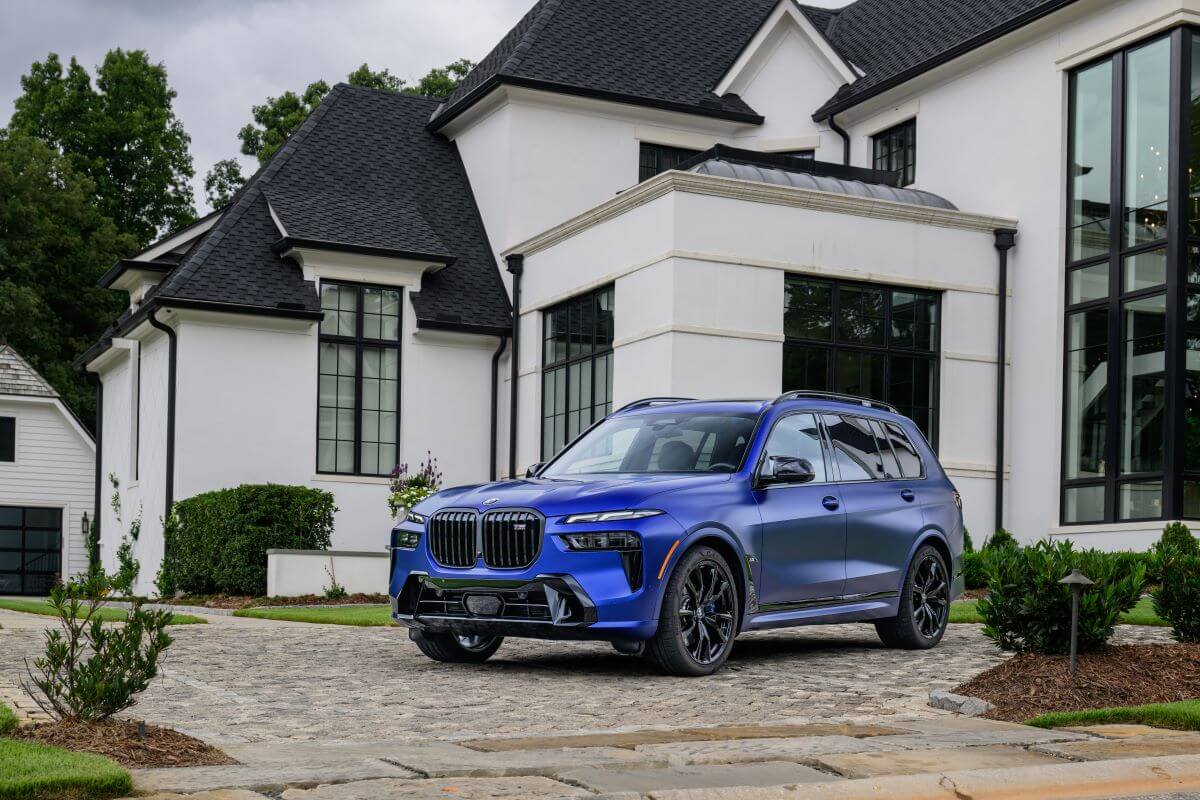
(1181, 237)
(599, 349)
(898, 140)
(654, 158)
(8, 440)
(360, 343)
(890, 351)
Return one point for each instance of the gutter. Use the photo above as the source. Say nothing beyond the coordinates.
(845, 140)
(516, 266)
(172, 352)
(287, 243)
(1005, 239)
(93, 546)
(495, 405)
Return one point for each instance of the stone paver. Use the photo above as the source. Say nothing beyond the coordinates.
(767, 773)
(746, 752)
(868, 765)
(263, 778)
(244, 680)
(1182, 744)
(443, 760)
(461, 789)
(668, 736)
(1119, 731)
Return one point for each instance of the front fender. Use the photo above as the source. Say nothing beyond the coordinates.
(723, 539)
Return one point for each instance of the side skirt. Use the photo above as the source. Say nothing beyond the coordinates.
(829, 610)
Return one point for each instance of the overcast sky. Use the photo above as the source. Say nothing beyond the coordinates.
(223, 56)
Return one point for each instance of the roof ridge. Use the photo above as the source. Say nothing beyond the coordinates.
(40, 386)
(530, 36)
(179, 278)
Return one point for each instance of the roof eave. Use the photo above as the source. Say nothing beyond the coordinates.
(126, 264)
(292, 243)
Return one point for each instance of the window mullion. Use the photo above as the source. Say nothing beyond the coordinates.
(1112, 444)
(1174, 356)
(358, 381)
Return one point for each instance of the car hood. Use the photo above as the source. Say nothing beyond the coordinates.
(557, 496)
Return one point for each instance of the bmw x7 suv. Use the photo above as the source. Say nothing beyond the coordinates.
(673, 525)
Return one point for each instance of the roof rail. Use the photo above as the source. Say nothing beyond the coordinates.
(652, 401)
(840, 398)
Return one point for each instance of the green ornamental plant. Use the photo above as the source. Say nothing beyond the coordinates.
(1028, 610)
(1177, 597)
(408, 489)
(90, 672)
(1001, 538)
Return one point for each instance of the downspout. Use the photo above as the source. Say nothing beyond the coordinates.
(495, 404)
(845, 139)
(1005, 239)
(516, 266)
(93, 545)
(171, 360)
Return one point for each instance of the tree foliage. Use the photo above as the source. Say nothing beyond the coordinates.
(122, 133)
(222, 182)
(55, 243)
(279, 117)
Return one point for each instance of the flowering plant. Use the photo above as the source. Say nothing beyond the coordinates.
(408, 489)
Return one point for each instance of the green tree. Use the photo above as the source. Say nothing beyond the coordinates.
(279, 117)
(222, 182)
(55, 242)
(122, 133)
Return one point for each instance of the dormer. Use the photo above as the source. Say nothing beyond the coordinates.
(139, 275)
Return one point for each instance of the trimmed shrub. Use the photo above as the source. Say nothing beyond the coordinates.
(968, 545)
(1177, 597)
(1001, 538)
(1028, 610)
(974, 574)
(217, 542)
(1177, 537)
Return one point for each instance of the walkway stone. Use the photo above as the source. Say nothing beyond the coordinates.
(460, 789)
(1180, 744)
(767, 773)
(262, 778)
(440, 760)
(867, 765)
(715, 733)
(757, 750)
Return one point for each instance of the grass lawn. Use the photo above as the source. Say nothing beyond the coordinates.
(107, 614)
(1141, 614)
(8, 720)
(36, 772)
(1181, 716)
(362, 616)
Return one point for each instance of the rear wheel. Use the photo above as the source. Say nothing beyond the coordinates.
(924, 604)
(456, 647)
(699, 615)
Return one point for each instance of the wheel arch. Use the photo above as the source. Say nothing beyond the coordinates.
(939, 543)
(730, 549)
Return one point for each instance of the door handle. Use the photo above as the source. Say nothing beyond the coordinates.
(830, 502)
(907, 495)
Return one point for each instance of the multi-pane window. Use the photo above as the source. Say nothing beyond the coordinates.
(895, 150)
(1131, 416)
(577, 367)
(656, 158)
(8, 439)
(358, 406)
(866, 340)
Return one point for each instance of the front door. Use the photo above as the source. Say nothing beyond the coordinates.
(30, 549)
(804, 529)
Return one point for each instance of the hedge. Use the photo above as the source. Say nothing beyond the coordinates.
(217, 542)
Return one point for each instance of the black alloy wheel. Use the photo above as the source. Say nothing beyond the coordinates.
(924, 607)
(699, 618)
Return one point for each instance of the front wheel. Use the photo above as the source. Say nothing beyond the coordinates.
(456, 648)
(924, 604)
(699, 616)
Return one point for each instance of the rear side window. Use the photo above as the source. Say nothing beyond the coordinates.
(891, 468)
(854, 448)
(906, 452)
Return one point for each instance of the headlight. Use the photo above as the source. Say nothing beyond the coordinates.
(405, 540)
(618, 540)
(415, 518)
(611, 516)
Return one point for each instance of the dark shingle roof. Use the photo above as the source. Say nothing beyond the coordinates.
(667, 53)
(361, 172)
(891, 40)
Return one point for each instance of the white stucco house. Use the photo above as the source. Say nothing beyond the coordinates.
(979, 211)
(47, 482)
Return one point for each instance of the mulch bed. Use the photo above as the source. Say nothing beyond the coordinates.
(130, 744)
(973, 594)
(234, 602)
(1029, 684)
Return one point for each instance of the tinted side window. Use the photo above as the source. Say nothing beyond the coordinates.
(906, 452)
(891, 469)
(798, 436)
(854, 448)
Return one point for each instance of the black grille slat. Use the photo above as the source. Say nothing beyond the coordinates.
(452, 538)
(507, 546)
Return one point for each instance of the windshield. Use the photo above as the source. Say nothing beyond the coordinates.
(657, 443)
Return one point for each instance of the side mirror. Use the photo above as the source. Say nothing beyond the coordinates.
(532, 470)
(785, 469)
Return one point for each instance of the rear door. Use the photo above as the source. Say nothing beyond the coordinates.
(883, 508)
(804, 529)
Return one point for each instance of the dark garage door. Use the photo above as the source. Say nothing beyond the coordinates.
(30, 549)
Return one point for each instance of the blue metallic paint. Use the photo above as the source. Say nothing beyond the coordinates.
(784, 541)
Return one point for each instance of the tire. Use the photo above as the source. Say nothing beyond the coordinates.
(924, 604)
(456, 648)
(690, 644)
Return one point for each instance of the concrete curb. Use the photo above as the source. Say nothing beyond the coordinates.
(177, 609)
(1092, 780)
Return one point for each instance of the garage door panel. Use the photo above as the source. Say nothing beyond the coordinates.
(30, 549)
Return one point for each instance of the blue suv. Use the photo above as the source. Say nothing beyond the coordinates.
(673, 525)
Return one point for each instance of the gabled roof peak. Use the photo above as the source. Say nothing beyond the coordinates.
(18, 378)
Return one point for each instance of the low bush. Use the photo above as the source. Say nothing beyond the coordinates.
(217, 542)
(1028, 610)
(90, 672)
(1177, 597)
(1176, 537)
(968, 545)
(8, 720)
(1001, 538)
(974, 574)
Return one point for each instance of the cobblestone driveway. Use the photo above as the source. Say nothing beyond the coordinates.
(252, 680)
